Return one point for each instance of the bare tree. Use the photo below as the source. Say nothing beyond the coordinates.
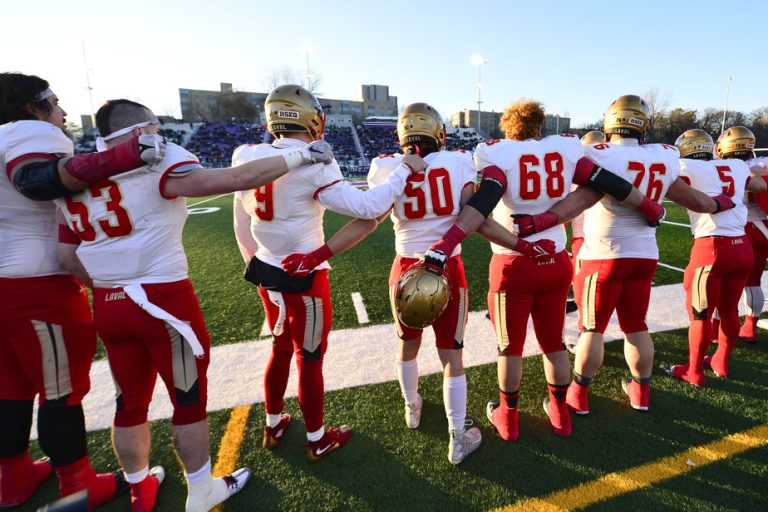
(658, 101)
(288, 75)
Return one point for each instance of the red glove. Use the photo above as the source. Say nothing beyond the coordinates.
(530, 224)
(723, 203)
(300, 265)
(541, 250)
(653, 212)
(439, 252)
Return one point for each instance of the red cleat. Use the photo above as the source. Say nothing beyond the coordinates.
(80, 475)
(505, 420)
(639, 394)
(20, 478)
(273, 435)
(748, 331)
(710, 363)
(144, 493)
(577, 398)
(559, 417)
(683, 372)
(333, 439)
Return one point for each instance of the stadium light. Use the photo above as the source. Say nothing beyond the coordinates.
(307, 48)
(478, 61)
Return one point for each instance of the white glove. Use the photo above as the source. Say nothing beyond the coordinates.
(318, 151)
(152, 148)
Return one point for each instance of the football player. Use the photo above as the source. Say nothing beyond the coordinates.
(47, 339)
(721, 256)
(429, 206)
(125, 239)
(738, 143)
(281, 225)
(525, 175)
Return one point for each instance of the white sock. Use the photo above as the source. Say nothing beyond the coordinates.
(455, 401)
(203, 491)
(134, 478)
(199, 483)
(753, 300)
(273, 420)
(316, 435)
(408, 376)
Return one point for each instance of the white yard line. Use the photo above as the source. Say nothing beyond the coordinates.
(362, 313)
(671, 267)
(676, 224)
(206, 200)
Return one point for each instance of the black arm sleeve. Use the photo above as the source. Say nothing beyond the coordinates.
(40, 181)
(487, 196)
(606, 182)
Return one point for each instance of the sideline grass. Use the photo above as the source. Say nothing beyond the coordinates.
(389, 467)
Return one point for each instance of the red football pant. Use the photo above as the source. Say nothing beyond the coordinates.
(47, 339)
(760, 252)
(139, 346)
(622, 284)
(449, 327)
(714, 278)
(305, 333)
(521, 288)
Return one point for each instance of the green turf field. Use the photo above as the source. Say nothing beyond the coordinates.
(386, 466)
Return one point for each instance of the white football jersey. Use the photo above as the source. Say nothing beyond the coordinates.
(285, 215)
(577, 223)
(613, 231)
(717, 177)
(755, 212)
(28, 230)
(539, 174)
(431, 200)
(130, 231)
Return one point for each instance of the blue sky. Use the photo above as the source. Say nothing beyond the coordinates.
(575, 57)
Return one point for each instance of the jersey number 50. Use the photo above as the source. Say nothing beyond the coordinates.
(441, 197)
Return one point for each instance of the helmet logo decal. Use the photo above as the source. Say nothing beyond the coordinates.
(636, 122)
(288, 114)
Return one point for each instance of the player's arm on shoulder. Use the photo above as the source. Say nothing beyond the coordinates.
(682, 193)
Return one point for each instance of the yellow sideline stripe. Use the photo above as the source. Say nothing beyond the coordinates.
(615, 484)
(229, 449)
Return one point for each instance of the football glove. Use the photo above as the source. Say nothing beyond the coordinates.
(300, 265)
(529, 224)
(540, 250)
(151, 148)
(317, 152)
(723, 203)
(435, 257)
(653, 212)
(439, 252)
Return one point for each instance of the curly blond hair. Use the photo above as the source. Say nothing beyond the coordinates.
(522, 119)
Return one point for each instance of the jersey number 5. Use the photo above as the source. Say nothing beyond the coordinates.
(728, 184)
(441, 197)
(120, 223)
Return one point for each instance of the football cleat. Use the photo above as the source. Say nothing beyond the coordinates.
(559, 416)
(716, 369)
(571, 345)
(144, 493)
(682, 372)
(413, 412)
(332, 439)
(506, 429)
(463, 443)
(292, 108)
(18, 482)
(748, 331)
(577, 398)
(221, 489)
(273, 435)
(639, 394)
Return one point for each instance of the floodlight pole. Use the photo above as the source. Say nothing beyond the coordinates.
(88, 85)
(725, 108)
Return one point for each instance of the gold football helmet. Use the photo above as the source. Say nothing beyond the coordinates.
(736, 142)
(629, 115)
(695, 143)
(419, 120)
(292, 108)
(592, 138)
(422, 294)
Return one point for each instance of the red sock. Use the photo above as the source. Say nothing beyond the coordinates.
(506, 415)
(144, 494)
(276, 380)
(557, 410)
(80, 475)
(699, 339)
(311, 392)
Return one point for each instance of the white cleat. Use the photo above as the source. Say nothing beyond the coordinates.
(413, 413)
(221, 489)
(158, 472)
(463, 443)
